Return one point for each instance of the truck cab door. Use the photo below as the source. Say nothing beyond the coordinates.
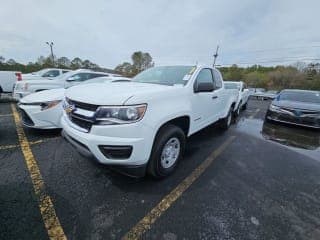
(204, 100)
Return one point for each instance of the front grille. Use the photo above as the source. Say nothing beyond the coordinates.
(25, 118)
(81, 122)
(82, 105)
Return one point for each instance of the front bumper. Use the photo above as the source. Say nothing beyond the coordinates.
(309, 122)
(137, 135)
(33, 117)
(17, 95)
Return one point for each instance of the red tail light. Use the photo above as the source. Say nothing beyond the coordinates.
(19, 76)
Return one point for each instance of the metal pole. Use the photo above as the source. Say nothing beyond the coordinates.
(215, 56)
(51, 49)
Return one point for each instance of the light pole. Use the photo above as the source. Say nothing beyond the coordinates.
(50, 45)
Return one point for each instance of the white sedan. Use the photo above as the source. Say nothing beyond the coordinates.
(43, 110)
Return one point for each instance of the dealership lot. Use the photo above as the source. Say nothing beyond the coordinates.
(230, 185)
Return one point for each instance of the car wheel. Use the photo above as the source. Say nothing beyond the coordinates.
(226, 122)
(238, 109)
(244, 107)
(167, 150)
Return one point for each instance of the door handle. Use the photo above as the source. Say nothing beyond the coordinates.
(214, 97)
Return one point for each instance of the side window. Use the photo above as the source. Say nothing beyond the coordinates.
(79, 77)
(95, 75)
(204, 76)
(65, 71)
(217, 79)
(51, 73)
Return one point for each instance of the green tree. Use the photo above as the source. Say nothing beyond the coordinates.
(140, 62)
(76, 63)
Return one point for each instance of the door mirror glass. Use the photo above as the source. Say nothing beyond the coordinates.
(204, 87)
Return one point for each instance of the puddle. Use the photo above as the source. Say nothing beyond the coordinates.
(304, 141)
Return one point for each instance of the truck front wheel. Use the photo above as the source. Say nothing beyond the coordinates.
(167, 150)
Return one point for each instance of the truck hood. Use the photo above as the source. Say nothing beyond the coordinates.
(297, 105)
(44, 96)
(115, 93)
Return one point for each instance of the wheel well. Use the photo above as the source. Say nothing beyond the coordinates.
(233, 105)
(182, 122)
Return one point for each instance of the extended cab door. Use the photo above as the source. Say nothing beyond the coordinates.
(205, 101)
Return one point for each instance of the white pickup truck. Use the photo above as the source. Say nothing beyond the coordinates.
(71, 78)
(141, 126)
(7, 81)
(243, 94)
(46, 73)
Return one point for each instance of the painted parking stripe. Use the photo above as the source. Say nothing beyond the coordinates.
(16, 146)
(255, 113)
(30, 143)
(50, 219)
(145, 223)
(6, 115)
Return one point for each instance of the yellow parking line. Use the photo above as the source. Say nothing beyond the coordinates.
(31, 143)
(145, 223)
(16, 146)
(255, 113)
(51, 221)
(5, 115)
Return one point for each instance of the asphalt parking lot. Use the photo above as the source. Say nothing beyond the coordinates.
(254, 181)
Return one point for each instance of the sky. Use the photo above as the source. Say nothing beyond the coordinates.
(267, 32)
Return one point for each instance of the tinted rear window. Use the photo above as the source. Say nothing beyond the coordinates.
(308, 97)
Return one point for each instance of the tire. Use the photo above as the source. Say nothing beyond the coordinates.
(237, 113)
(244, 107)
(160, 165)
(226, 122)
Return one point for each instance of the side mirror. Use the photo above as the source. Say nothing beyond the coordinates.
(70, 79)
(203, 87)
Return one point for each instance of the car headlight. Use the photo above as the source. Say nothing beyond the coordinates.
(25, 86)
(274, 107)
(47, 105)
(120, 114)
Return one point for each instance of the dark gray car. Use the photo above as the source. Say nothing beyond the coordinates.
(297, 107)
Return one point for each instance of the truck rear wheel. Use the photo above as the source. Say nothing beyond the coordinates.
(226, 122)
(167, 150)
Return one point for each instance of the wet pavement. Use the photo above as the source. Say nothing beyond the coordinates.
(264, 185)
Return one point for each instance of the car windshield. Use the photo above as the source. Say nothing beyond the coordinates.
(231, 85)
(169, 75)
(308, 97)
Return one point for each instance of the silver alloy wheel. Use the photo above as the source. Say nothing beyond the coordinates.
(170, 152)
(229, 119)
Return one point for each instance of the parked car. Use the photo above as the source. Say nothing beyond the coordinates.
(65, 80)
(43, 110)
(243, 94)
(257, 93)
(7, 81)
(47, 73)
(296, 107)
(141, 126)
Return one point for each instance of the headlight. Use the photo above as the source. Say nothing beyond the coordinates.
(47, 105)
(120, 114)
(25, 86)
(274, 107)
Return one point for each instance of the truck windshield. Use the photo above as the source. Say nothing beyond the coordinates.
(169, 75)
(231, 85)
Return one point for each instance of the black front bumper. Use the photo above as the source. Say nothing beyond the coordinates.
(309, 122)
(136, 171)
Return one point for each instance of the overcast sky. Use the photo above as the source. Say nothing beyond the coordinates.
(185, 31)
